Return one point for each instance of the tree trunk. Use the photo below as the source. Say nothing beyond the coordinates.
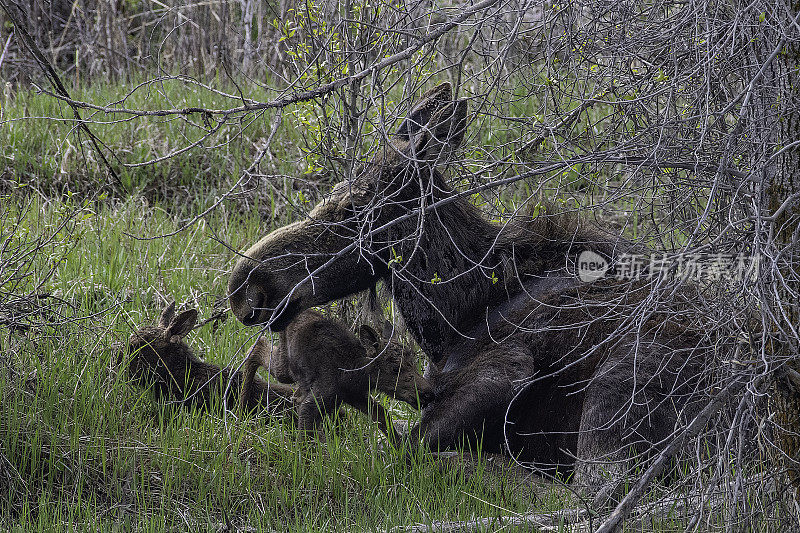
(772, 136)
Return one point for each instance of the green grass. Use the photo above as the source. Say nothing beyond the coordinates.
(85, 447)
(80, 446)
(40, 145)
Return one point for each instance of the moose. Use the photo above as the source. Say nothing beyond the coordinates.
(160, 360)
(561, 373)
(330, 366)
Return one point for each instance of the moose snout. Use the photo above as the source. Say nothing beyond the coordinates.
(252, 308)
(255, 298)
(425, 393)
(247, 297)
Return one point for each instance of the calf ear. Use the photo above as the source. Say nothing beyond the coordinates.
(369, 338)
(443, 134)
(181, 325)
(388, 329)
(421, 113)
(167, 315)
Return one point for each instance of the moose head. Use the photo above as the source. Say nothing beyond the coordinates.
(344, 244)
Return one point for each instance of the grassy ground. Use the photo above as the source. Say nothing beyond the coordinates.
(82, 447)
(85, 262)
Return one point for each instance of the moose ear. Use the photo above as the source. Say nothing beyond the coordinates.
(166, 315)
(181, 325)
(430, 102)
(388, 329)
(443, 134)
(369, 337)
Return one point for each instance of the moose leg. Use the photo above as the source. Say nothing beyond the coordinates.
(473, 412)
(312, 408)
(472, 402)
(599, 466)
(631, 408)
(379, 415)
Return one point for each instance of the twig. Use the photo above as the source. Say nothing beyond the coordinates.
(540, 520)
(630, 500)
(792, 375)
(59, 86)
(220, 315)
(300, 97)
(246, 174)
(576, 519)
(571, 117)
(5, 48)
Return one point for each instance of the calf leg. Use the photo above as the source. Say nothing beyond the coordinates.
(256, 392)
(312, 407)
(247, 398)
(274, 360)
(379, 415)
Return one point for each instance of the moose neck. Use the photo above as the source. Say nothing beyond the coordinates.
(445, 269)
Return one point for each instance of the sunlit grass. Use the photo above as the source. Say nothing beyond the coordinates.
(88, 448)
(81, 446)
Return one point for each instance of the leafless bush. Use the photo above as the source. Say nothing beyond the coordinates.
(25, 305)
(119, 38)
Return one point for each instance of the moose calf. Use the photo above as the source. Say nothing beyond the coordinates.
(331, 366)
(159, 358)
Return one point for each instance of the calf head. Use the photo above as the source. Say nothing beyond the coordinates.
(157, 351)
(396, 369)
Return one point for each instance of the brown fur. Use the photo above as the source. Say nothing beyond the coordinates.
(331, 366)
(524, 355)
(159, 359)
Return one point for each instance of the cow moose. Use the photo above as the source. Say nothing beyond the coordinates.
(330, 366)
(559, 372)
(159, 359)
